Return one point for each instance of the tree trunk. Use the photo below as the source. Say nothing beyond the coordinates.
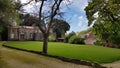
(45, 43)
(0, 36)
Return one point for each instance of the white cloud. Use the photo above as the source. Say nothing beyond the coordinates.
(67, 2)
(76, 8)
(28, 7)
(82, 24)
(82, 21)
(33, 7)
(79, 4)
(24, 1)
(74, 5)
(81, 17)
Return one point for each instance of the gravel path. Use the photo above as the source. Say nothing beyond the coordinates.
(113, 65)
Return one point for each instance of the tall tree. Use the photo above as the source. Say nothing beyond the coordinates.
(48, 18)
(60, 27)
(28, 20)
(8, 14)
(105, 15)
(48, 10)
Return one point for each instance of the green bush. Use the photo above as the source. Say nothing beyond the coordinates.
(51, 38)
(115, 39)
(100, 43)
(66, 40)
(68, 36)
(76, 40)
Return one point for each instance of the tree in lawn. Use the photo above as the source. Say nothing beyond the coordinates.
(105, 15)
(47, 16)
(60, 27)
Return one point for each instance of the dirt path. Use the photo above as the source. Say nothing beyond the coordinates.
(11, 58)
(113, 65)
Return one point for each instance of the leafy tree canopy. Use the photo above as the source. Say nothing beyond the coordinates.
(60, 25)
(28, 20)
(8, 13)
(105, 14)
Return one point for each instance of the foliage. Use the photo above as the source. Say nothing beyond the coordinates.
(84, 32)
(8, 14)
(115, 39)
(71, 34)
(89, 53)
(105, 15)
(29, 20)
(76, 40)
(59, 26)
(99, 43)
(68, 36)
(52, 38)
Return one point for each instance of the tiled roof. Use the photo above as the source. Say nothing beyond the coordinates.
(29, 27)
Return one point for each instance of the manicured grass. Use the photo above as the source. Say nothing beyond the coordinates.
(82, 52)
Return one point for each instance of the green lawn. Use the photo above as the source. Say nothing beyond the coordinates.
(83, 52)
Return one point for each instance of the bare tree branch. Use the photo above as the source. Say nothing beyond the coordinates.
(54, 9)
(54, 6)
(40, 16)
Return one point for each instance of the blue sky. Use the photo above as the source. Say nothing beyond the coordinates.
(74, 14)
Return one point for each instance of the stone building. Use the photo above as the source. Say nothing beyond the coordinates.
(29, 33)
(90, 38)
(24, 33)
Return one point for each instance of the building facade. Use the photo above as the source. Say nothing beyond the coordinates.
(24, 33)
(90, 38)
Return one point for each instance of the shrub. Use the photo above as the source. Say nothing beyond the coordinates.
(67, 37)
(100, 43)
(76, 40)
(115, 39)
(51, 38)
